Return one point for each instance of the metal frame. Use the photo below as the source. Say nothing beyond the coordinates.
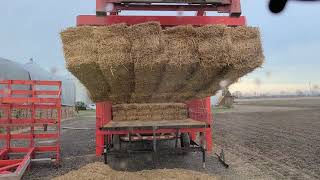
(231, 7)
(194, 148)
(199, 110)
(32, 99)
(107, 12)
(92, 20)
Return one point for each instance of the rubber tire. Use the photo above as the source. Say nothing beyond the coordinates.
(116, 142)
(185, 140)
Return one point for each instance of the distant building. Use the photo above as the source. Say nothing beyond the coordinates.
(226, 100)
(10, 70)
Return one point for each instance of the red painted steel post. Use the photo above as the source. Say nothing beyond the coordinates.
(235, 8)
(209, 130)
(209, 139)
(193, 135)
(59, 124)
(100, 5)
(99, 137)
(103, 116)
(9, 113)
(33, 115)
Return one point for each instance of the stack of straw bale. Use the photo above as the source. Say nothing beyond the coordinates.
(144, 63)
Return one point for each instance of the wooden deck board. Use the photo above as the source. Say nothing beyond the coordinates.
(125, 125)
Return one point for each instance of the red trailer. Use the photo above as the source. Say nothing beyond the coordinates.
(21, 128)
(195, 134)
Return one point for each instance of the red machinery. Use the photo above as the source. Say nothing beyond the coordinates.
(110, 12)
(21, 101)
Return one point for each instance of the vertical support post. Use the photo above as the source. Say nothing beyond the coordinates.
(208, 110)
(33, 115)
(208, 137)
(176, 139)
(193, 135)
(154, 139)
(203, 158)
(8, 139)
(103, 116)
(101, 7)
(59, 124)
(99, 136)
(235, 8)
(208, 133)
(201, 13)
(9, 111)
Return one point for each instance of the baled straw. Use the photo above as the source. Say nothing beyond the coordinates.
(147, 44)
(115, 62)
(181, 57)
(149, 111)
(143, 63)
(81, 53)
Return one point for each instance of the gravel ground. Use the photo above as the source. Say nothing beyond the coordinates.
(273, 144)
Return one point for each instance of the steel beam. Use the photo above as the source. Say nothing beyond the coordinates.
(92, 20)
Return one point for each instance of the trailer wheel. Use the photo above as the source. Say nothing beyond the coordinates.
(116, 142)
(185, 140)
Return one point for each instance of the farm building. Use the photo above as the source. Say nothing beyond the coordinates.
(10, 70)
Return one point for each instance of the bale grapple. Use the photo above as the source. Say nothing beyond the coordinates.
(114, 11)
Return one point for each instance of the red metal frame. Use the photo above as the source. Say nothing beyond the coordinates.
(30, 100)
(232, 7)
(108, 11)
(199, 110)
(92, 20)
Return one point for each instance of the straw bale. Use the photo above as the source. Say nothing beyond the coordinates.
(147, 44)
(149, 111)
(114, 58)
(214, 46)
(80, 51)
(181, 55)
(246, 52)
(246, 55)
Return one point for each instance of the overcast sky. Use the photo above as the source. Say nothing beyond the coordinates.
(291, 40)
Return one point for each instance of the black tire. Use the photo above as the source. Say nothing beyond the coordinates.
(116, 142)
(185, 140)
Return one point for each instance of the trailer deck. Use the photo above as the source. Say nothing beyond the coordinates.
(149, 125)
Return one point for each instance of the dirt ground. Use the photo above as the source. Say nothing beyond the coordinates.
(262, 139)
